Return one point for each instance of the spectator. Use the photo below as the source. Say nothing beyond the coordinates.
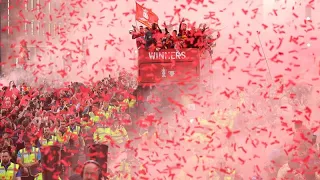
(311, 166)
(47, 138)
(92, 171)
(148, 38)
(77, 173)
(75, 177)
(6, 143)
(8, 170)
(37, 111)
(29, 160)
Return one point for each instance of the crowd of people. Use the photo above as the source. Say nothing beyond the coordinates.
(68, 120)
(153, 39)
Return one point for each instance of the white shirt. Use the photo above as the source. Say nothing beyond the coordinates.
(283, 172)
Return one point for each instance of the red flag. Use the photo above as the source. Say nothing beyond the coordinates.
(145, 16)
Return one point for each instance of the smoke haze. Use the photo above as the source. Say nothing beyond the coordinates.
(90, 40)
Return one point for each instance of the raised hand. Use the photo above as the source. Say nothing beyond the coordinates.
(164, 24)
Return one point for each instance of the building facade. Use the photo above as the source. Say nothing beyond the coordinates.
(30, 21)
(3, 24)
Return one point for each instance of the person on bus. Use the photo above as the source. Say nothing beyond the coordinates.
(8, 170)
(148, 37)
(157, 36)
(139, 36)
(182, 29)
(169, 40)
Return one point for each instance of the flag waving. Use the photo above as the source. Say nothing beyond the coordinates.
(145, 16)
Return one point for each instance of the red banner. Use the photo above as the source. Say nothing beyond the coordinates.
(168, 55)
(145, 16)
(168, 72)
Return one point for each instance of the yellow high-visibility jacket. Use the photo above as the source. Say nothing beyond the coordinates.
(230, 176)
(93, 117)
(130, 103)
(10, 173)
(225, 119)
(48, 142)
(119, 135)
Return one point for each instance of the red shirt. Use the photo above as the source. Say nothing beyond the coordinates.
(16, 92)
(8, 99)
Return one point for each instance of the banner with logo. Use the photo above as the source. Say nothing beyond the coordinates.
(168, 55)
(168, 65)
(145, 16)
(168, 72)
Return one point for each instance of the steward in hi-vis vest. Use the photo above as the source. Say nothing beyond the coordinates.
(76, 141)
(47, 139)
(8, 170)
(29, 160)
(66, 140)
(115, 134)
(230, 174)
(75, 129)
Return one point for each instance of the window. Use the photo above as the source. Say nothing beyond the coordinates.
(32, 52)
(8, 17)
(43, 28)
(48, 5)
(38, 28)
(26, 5)
(54, 29)
(26, 25)
(49, 27)
(56, 5)
(308, 12)
(59, 28)
(31, 5)
(4, 14)
(31, 28)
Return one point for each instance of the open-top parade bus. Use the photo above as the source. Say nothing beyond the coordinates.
(167, 77)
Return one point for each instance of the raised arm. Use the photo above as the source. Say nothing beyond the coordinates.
(19, 159)
(159, 28)
(133, 32)
(204, 28)
(165, 28)
(180, 31)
